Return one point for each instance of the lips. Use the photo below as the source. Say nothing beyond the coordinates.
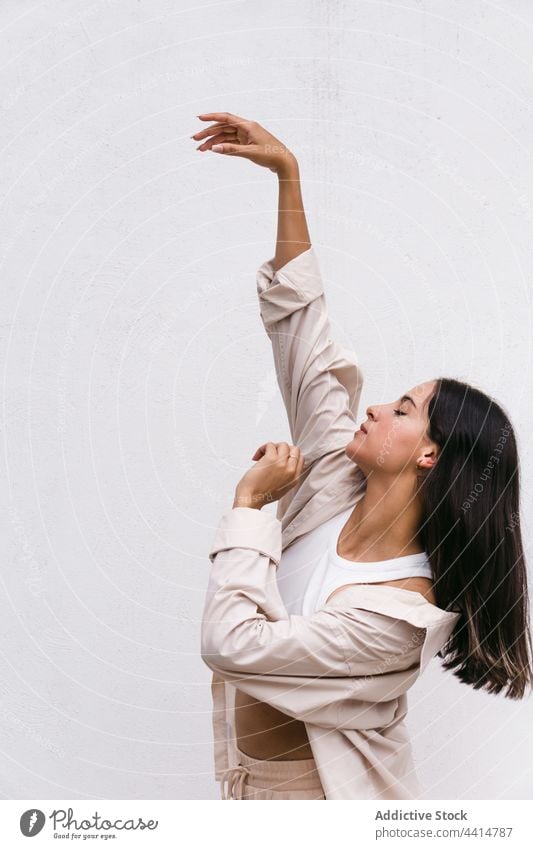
(363, 428)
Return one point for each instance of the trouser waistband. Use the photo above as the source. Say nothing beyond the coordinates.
(269, 774)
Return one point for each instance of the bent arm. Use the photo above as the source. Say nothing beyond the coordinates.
(302, 665)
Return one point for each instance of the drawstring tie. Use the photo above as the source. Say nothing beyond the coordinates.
(235, 778)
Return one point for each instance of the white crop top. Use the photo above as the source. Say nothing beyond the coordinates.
(310, 569)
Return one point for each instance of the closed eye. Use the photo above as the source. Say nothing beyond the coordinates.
(399, 413)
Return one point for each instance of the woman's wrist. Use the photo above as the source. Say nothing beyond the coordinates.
(249, 499)
(288, 168)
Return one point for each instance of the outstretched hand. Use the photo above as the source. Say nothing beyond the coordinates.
(236, 136)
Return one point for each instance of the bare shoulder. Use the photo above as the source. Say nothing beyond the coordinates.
(424, 586)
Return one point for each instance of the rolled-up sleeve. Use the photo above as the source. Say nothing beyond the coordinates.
(291, 288)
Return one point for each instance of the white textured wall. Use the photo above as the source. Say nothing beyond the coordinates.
(137, 378)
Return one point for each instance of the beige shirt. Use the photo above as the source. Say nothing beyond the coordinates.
(346, 669)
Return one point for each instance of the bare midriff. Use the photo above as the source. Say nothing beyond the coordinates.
(264, 732)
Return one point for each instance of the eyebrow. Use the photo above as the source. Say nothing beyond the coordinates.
(408, 398)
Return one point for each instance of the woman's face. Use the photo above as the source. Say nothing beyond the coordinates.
(396, 440)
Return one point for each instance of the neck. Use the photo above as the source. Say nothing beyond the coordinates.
(385, 522)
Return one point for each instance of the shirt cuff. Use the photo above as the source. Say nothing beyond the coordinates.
(245, 527)
(290, 288)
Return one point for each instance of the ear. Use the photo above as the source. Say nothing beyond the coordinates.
(428, 459)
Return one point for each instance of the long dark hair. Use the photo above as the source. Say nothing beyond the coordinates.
(471, 534)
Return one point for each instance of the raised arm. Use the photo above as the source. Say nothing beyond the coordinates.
(293, 235)
(320, 381)
(235, 136)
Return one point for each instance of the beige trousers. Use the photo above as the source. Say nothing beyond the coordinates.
(267, 779)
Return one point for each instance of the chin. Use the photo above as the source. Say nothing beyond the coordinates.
(351, 450)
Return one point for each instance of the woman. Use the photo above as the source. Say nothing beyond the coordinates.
(390, 545)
